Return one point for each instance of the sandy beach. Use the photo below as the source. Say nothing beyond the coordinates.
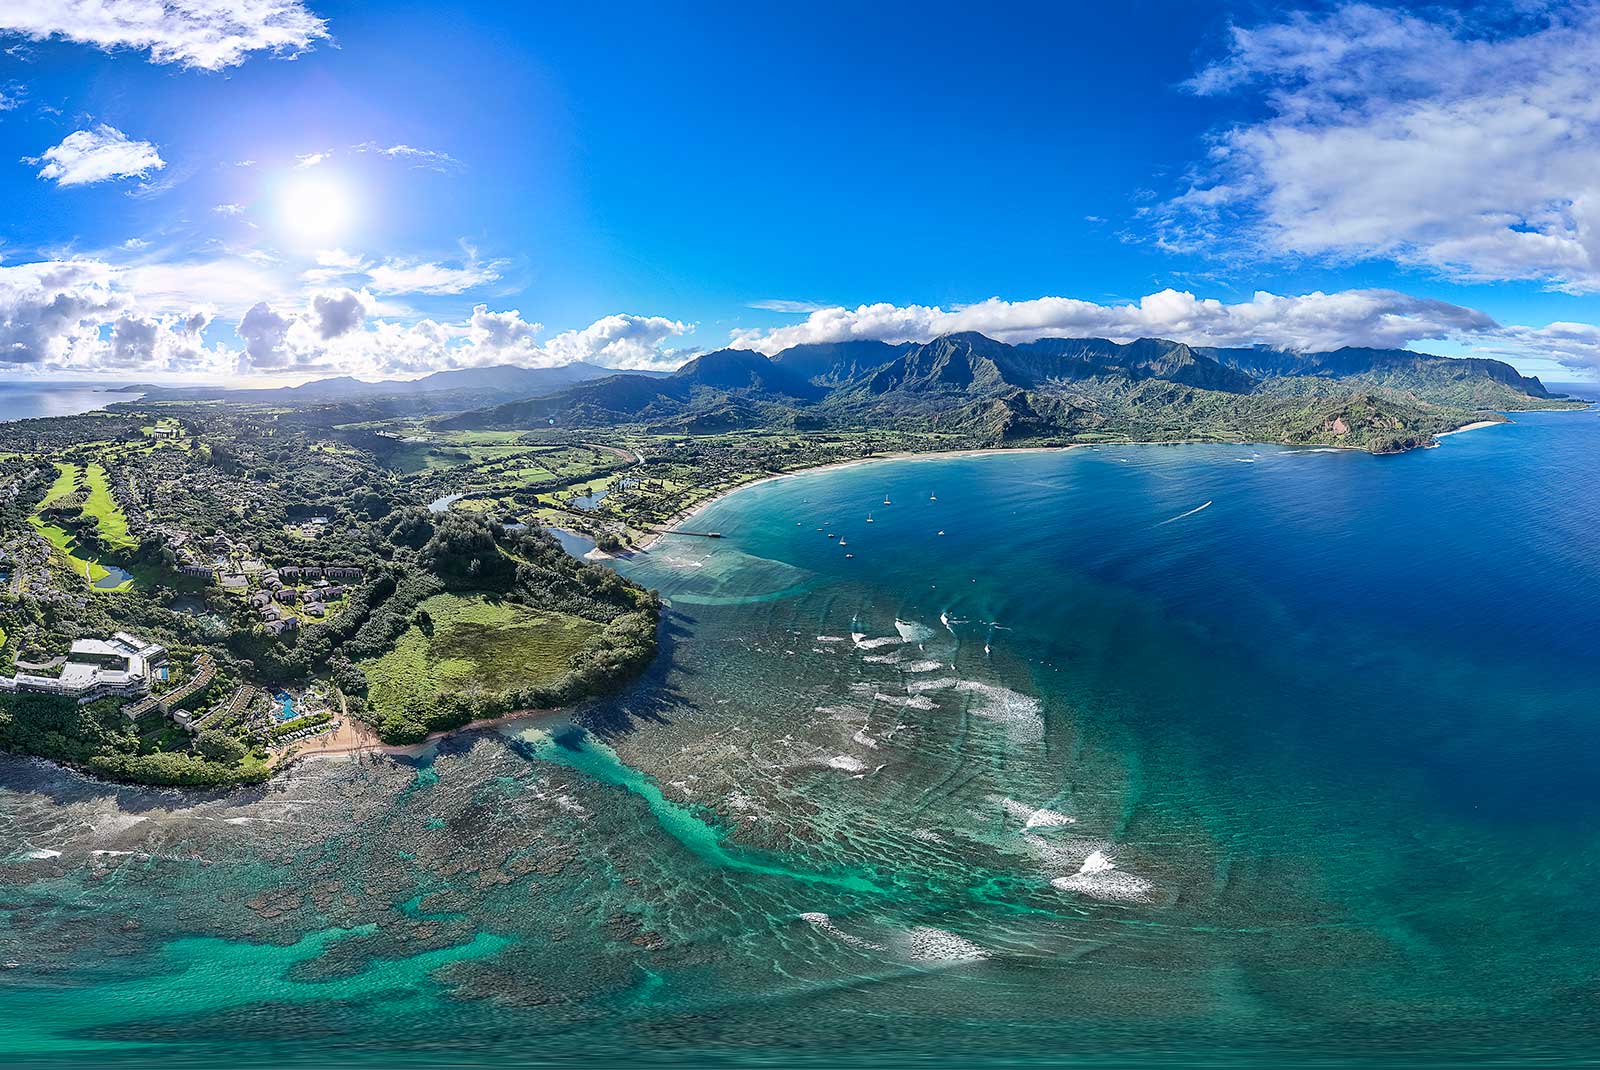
(1471, 427)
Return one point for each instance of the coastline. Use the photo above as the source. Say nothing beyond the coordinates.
(686, 515)
(1475, 425)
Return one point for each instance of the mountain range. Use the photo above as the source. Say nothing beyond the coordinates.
(467, 387)
(1079, 389)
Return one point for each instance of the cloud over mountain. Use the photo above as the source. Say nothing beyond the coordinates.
(1308, 321)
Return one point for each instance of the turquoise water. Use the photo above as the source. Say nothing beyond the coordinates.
(1156, 755)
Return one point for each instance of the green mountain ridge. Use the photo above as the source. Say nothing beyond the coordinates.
(1050, 389)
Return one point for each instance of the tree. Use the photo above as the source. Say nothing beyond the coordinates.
(219, 747)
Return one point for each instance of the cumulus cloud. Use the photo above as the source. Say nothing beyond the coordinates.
(208, 34)
(87, 156)
(76, 314)
(1308, 321)
(1465, 144)
(337, 312)
(264, 333)
(619, 341)
(310, 159)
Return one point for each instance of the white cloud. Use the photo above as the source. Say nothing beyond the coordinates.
(1309, 321)
(337, 312)
(426, 277)
(310, 159)
(208, 34)
(619, 341)
(229, 209)
(776, 304)
(97, 155)
(73, 314)
(428, 158)
(1465, 147)
(264, 333)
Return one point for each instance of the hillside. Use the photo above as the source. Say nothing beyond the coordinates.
(1080, 389)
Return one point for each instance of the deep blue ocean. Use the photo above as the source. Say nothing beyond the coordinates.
(24, 401)
(1180, 755)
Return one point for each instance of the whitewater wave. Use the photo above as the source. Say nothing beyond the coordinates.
(882, 659)
(847, 763)
(864, 643)
(830, 638)
(942, 683)
(912, 632)
(1033, 817)
(910, 702)
(927, 944)
(825, 924)
(1099, 878)
(921, 666)
(1017, 713)
(41, 854)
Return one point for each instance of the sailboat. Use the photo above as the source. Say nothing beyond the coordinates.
(841, 541)
(932, 497)
(869, 518)
(886, 500)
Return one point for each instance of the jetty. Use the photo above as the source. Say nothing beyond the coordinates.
(696, 534)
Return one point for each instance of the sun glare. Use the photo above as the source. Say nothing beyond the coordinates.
(315, 208)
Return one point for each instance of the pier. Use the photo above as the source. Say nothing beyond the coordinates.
(696, 534)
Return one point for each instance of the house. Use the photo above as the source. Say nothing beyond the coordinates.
(314, 609)
(270, 612)
(165, 432)
(289, 573)
(287, 595)
(235, 583)
(260, 600)
(202, 571)
(343, 572)
(280, 627)
(330, 593)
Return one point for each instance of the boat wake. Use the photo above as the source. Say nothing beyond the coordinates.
(1180, 516)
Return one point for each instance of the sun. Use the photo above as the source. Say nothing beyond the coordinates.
(315, 207)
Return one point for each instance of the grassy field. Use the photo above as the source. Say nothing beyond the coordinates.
(475, 643)
(113, 524)
(100, 503)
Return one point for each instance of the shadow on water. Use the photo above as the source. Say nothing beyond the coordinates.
(652, 699)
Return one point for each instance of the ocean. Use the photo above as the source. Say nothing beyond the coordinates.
(25, 400)
(1154, 755)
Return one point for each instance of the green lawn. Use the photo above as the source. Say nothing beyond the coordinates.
(476, 643)
(113, 524)
(100, 503)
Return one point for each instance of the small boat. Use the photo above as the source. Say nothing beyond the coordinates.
(932, 497)
(841, 540)
(886, 500)
(849, 555)
(869, 518)
(941, 531)
(831, 535)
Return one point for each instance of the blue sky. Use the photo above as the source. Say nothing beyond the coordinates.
(290, 188)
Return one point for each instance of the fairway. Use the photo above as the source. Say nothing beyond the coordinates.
(476, 644)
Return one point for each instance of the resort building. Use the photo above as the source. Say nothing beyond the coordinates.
(96, 668)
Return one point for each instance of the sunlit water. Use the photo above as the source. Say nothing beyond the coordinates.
(1101, 773)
